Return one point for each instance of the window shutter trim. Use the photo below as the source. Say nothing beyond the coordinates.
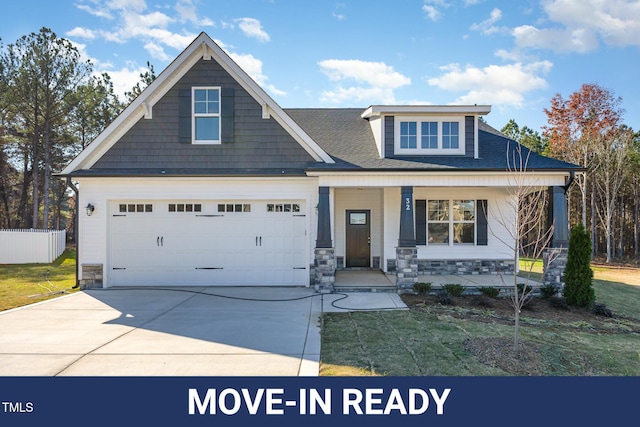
(184, 116)
(482, 224)
(227, 115)
(421, 222)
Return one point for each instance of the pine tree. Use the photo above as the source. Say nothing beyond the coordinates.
(578, 287)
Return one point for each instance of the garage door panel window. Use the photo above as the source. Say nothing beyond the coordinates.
(234, 207)
(283, 207)
(184, 207)
(135, 208)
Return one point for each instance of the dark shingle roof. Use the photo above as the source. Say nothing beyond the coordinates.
(348, 139)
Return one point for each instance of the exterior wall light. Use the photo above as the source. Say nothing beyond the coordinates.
(90, 208)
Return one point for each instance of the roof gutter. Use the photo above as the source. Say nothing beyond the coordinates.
(438, 170)
(75, 230)
(572, 177)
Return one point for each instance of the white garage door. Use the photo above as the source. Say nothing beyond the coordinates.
(208, 243)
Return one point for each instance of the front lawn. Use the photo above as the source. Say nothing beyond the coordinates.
(474, 336)
(22, 284)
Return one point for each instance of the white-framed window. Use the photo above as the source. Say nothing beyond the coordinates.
(205, 125)
(451, 222)
(429, 135)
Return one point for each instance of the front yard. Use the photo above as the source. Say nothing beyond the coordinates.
(474, 337)
(23, 284)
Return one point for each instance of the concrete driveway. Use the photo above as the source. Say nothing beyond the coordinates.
(174, 332)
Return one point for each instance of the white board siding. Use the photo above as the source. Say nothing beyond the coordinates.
(95, 230)
(498, 236)
(354, 199)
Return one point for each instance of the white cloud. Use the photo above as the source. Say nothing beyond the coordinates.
(432, 8)
(253, 66)
(83, 33)
(153, 29)
(486, 27)
(133, 5)
(580, 25)
(132, 23)
(252, 27)
(337, 12)
(501, 85)
(125, 78)
(556, 39)
(373, 82)
(100, 11)
(156, 51)
(187, 13)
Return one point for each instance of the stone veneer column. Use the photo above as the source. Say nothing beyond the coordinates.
(406, 268)
(325, 266)
(555, 257)
(324, 254)
(554, 262)
(406, 251)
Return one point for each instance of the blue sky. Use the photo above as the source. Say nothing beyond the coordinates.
(513, 55)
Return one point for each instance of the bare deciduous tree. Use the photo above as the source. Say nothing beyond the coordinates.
(525, 215)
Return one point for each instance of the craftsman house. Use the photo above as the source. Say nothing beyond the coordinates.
(205, 180)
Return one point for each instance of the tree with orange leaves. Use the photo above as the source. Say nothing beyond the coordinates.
(586, 129)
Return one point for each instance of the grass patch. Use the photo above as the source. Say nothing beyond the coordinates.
(530, 264)
(22, 284)
(433, 340)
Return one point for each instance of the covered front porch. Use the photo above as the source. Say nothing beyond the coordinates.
(380, 238)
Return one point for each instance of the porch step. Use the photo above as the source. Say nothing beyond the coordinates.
(365, 288)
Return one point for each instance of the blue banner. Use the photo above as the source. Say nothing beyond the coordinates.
(310, 401)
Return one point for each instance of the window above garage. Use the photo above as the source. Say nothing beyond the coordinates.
(206, 115)
(206, 127)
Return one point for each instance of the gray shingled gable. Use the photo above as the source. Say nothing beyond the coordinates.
(348, 139)
(152, 145)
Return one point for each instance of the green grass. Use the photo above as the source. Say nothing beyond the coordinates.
(428, 343)
(533, 265)
(22, 284)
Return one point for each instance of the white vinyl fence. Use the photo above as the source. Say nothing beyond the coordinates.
(31, 246)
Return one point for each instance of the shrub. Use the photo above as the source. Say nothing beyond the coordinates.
(558, 302)
(547, 291)
(578, 276)
(522, 288)
(444, 298)
(482, 301)
(490, 291)
(602, 310)
(422, 288)
(454, 289)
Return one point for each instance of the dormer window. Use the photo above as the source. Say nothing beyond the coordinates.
(429, 135)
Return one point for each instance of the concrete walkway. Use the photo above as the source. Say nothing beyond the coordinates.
(175, 332)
